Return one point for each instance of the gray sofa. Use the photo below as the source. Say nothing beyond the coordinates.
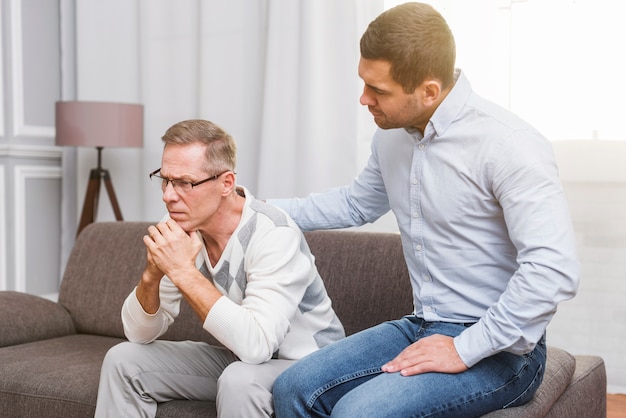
(50, 353)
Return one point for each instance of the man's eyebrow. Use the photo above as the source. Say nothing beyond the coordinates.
(376, 88)
(184, 177)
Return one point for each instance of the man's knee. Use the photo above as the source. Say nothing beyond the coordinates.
(121, 356)
(236, 378)
(241, 391)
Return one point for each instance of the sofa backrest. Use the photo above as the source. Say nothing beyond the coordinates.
(365, 275)
(103, 268)
(105, 264)
(364, 272)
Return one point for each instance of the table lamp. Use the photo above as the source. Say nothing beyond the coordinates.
(99, 125)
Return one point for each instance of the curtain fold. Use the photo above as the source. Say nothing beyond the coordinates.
(311, 103)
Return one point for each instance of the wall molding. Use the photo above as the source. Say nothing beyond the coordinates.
(3, 233)
(38, 152)
(22, 174)
(1, 81)
(20, 128)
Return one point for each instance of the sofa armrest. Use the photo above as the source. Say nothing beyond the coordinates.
(25, 318)
(585, 397)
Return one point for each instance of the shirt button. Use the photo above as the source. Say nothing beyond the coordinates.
(418, 247)
(427, 309)
(414, 181)
(416, 214)
(420, 146)
(426, 278)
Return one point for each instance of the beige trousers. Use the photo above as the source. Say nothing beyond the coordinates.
(135, 377)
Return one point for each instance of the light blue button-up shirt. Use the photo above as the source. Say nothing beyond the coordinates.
(485, 227)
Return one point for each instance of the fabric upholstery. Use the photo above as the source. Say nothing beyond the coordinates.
(50, 354)
(56, 377)
(99, 275)
(25, 318)
(365, 276)
(186, 409)
(587, 387)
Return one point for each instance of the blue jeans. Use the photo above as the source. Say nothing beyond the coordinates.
(344, 379)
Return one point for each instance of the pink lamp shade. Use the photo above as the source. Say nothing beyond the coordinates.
(99, 124)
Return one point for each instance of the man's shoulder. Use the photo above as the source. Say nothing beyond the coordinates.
(490, 115)
(270, 213)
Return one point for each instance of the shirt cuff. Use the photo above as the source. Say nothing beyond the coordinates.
(472, 346)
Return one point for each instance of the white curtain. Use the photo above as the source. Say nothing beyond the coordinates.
(279, 75)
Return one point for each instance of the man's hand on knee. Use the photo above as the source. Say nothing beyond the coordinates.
(435, 353)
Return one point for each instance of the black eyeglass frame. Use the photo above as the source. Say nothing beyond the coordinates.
(193, 184)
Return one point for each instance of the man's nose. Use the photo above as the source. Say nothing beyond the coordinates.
(169, 193)
(366, 99)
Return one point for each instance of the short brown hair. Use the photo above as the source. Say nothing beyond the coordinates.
(416, 40)
(221, 150)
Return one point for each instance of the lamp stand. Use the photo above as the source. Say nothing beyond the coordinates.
(90, 206)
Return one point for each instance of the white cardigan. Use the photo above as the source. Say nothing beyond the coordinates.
(276, 304)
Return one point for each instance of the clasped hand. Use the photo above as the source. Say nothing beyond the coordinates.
(435, 353)
(170, 249)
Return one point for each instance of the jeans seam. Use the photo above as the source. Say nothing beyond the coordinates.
(527, 358)
(530, 385)
(339, 381)
(538, 373)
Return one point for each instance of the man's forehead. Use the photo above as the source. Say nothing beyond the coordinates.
(181, 161)
(376, 73)
(378, 68)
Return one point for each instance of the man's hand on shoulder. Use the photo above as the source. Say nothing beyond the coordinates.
(435, 353)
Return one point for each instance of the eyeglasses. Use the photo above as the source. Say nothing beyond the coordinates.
(180, 186)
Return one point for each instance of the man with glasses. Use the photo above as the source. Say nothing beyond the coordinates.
(244, 268)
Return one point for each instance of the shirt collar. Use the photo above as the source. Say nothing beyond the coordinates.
(450, 107)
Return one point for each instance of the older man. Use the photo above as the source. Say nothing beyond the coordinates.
(245, 269)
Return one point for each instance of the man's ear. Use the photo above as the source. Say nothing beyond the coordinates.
(431, 91)
(229, 182)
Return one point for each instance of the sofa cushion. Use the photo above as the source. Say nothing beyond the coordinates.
(52, 378)
(25, 318)
(560, 366)
(186, 409)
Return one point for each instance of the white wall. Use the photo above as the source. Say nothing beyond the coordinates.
(30, 173)
(594, 179)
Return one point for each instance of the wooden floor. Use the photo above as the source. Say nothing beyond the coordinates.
(616, 406)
